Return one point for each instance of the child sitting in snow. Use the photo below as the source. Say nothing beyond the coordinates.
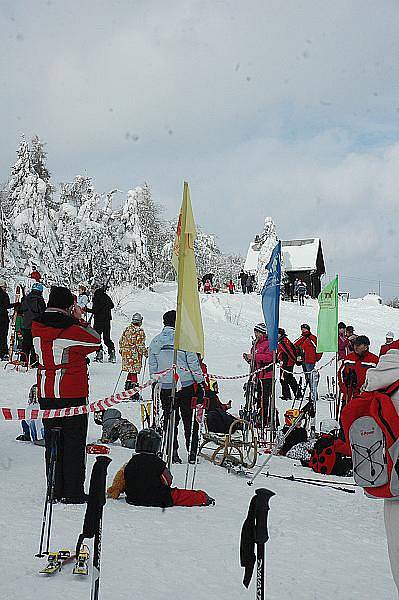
(114, 428)
(33, 430)
(146, 480)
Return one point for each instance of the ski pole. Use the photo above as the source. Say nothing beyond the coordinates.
(255, 531)
(278, 444)
(205, 406)
(190, 444)
(92, 525)
(292, 478)
(261, 537)
(54, 438)
(117, 382)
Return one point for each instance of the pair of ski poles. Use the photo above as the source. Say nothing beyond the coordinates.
(55, 434)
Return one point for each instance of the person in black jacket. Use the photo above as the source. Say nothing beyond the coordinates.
(146, 480)
(5, 305)
(287, 354)
(32, 307)
(101, 309)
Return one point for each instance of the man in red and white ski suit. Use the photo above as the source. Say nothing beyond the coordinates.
(353, 371)
(62, 344)
(307, 344)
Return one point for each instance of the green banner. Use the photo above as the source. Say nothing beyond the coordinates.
(327, 323)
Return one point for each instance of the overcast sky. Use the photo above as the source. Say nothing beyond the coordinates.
(288, 109)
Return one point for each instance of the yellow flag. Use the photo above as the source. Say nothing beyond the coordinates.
(189, 333)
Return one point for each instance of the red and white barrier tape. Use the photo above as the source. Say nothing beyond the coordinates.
(27, 414)
(21, 414)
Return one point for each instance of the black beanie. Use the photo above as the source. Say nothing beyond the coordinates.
(169, 318)
(60, 297)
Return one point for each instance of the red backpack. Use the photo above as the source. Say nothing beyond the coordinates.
(371, 426)
(323, 457)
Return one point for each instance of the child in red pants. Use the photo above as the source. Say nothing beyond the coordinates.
(146, 480)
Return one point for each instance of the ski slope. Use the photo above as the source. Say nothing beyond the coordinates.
(324, 544)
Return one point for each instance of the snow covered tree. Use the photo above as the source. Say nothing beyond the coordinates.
(267, 241)
(31, 217)
(151, 225)
(133, 240)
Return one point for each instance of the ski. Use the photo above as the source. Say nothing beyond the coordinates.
(56, 560)
(324, 481)
(82, 561)
(309, 482)
(237, 470)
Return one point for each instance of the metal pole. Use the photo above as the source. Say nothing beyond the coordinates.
(273, 402)
(171, 418)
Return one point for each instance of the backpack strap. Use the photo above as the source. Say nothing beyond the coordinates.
(391, 389)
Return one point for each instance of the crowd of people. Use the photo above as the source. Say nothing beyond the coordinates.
(57, 338)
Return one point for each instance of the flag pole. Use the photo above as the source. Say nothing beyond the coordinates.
(273, 402)
(171, 419)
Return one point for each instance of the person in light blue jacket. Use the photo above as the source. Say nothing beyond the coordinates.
(191, 380)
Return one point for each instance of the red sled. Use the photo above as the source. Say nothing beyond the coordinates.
(97, 449)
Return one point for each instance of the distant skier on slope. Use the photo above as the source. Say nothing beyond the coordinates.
(243, 279)
(146, 480)
(101, 309)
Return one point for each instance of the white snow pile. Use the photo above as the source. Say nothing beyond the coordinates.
(324, 544)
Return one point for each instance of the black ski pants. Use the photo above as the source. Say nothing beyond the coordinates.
(28, 353)
(104, 328)
(71, 464)
(264, 393)
(183, 402)
(3, 336)
(288, 382)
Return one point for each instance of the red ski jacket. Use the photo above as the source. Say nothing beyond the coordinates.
(350, 383)
(385, 347)
(62, 345)
(308, 344)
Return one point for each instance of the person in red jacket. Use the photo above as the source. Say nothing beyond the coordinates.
(35, 274)
(353, 371)
(307, 345)
(62, 344)
(287, 355)
(389, 343)
(232, 287)
(263, 357)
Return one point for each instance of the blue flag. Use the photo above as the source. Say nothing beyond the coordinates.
(271, 296)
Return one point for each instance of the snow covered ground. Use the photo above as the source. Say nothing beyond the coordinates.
(324, 544)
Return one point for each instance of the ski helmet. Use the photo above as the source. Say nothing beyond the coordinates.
(329, 425)
(111, 414)
(261, 327)
(390, 335)
(305, 326)
(148, 440)
(137, 319)
(291, 415)
(38, 287)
